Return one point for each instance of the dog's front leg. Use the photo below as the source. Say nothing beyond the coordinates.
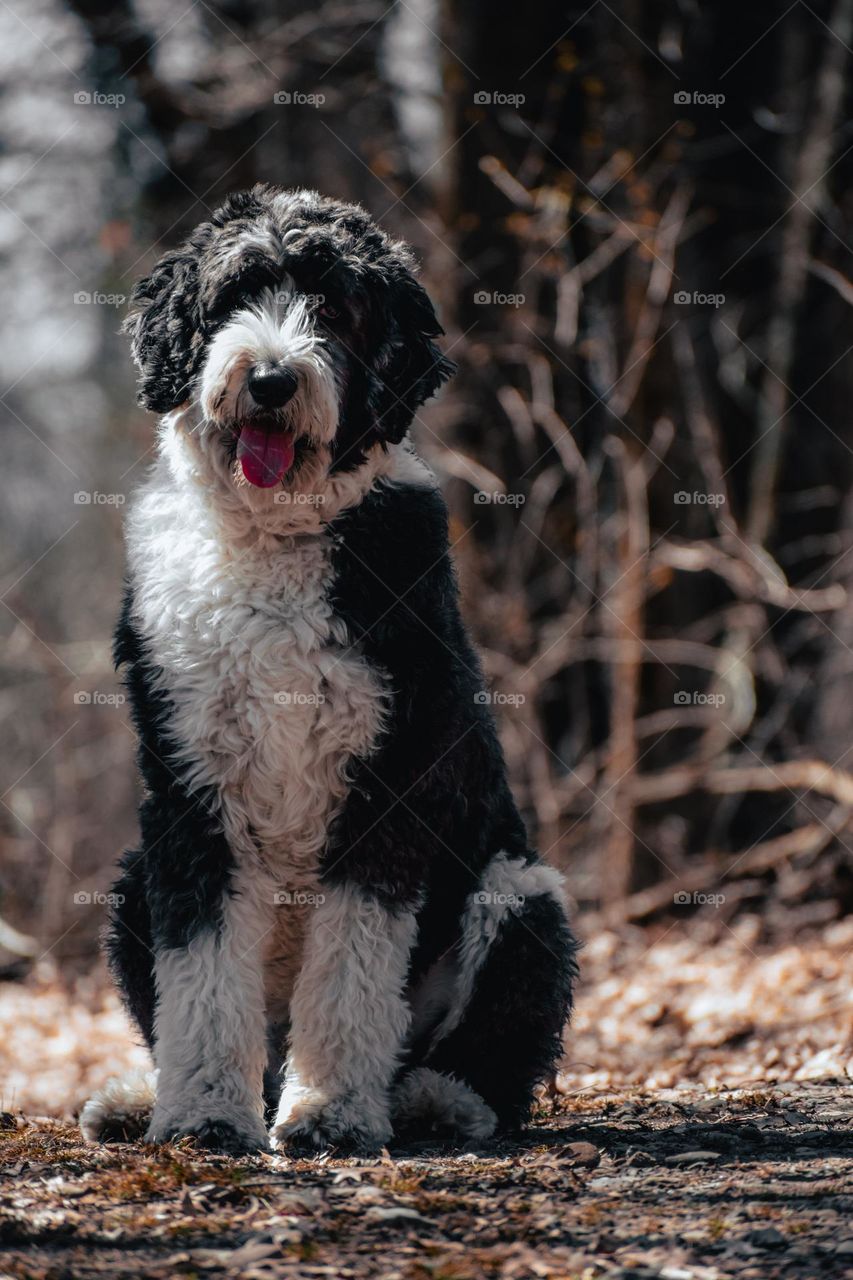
(210, 1031)
(349, 1017)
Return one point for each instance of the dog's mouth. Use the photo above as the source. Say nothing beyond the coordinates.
(266, 451)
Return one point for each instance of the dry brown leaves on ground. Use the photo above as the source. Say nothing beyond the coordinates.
(674, 1185)
(702, 1128)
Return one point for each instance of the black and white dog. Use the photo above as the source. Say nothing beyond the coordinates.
(334, 892)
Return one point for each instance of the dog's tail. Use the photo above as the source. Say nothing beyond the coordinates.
(121, 1111)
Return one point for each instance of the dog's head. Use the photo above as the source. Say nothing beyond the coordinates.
(296, 332)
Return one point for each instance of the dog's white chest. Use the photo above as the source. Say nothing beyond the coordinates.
(271, 704)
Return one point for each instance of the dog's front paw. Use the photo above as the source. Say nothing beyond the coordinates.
(314, 1122)
(225, 1131)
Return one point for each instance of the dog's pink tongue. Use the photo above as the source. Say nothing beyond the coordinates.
(265, 456)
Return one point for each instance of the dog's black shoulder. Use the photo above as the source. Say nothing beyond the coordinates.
(391, 560)
(432, 801)
(399, 530)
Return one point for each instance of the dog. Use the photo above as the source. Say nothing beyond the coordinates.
(334, 931)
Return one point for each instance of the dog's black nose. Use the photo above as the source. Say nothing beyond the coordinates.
(270, 386)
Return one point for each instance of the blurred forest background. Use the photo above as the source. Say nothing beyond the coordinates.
(635, 220)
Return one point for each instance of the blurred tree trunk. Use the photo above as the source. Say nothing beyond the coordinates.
(665, 204)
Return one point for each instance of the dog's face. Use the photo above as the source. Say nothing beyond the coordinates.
(294, 329)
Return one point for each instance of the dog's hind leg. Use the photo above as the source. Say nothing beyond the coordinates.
(121, 1110)
(128, 945)
(503, 1033)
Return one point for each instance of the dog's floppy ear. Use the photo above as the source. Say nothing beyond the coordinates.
(165, 326)
(408, 367)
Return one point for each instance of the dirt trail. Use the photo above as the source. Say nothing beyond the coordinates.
(704, 1129)
(678, 1184)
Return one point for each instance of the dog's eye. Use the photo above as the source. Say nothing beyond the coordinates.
(328, 312)
(229, 299)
